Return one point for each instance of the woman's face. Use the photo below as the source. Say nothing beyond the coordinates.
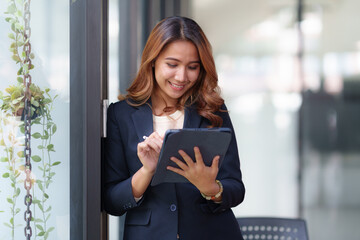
(177, 69)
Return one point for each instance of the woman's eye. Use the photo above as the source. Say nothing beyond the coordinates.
(193, 67)
(171, 65)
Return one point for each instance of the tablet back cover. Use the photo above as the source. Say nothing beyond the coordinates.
(211, 142)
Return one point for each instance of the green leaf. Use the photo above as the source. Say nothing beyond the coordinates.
(20, 72)
(55, 163)
(17, 192)
(36, 121)
(41, 147)
(36, 158)
(41, 207)
(17, 210)
(40, 186)
(20, 79)
(49, 209)
(16, 58)
(38, 226)
(50, 147)
(38, 220)
(11, 8)
(4, 159)
(46, 135)
(35, 103)
(18, 13)
(20, 154)
(12, 178)
(48, 183)
(36, 201)
(13, 45)
(11, 36)
(8, 225)
(6, 175)
(41, 234)
(9, 200)
(50, 229)
(46, 196)
(36, 135)
(54, 128)
(46, 101)
(19, 27)
(11, 221)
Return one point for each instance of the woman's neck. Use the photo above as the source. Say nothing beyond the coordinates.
(159, 103)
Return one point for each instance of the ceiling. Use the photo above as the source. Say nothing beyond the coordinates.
(230, 24)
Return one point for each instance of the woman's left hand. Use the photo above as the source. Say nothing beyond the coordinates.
(200, 175)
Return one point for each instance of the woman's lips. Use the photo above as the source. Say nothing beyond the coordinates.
(175, 86)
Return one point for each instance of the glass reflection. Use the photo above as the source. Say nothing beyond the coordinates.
(50, 132)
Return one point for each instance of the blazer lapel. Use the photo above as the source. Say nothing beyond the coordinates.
(143, 121)
(192, 118)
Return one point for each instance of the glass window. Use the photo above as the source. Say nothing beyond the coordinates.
(49, 40)
(331, 131)
(255, 45)
(272, 97)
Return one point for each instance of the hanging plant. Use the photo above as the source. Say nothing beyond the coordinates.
(12, 106)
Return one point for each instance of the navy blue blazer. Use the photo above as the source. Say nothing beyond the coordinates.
(167, 209)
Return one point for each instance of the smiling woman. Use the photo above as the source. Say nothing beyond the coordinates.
(205, 92)
(176, 70)
(175, 87)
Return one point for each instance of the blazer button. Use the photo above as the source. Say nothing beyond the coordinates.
(173, 207)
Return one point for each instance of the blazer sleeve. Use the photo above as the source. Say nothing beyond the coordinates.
(118, 197)
(229, 173)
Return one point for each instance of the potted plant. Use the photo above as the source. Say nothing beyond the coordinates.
(12, 103)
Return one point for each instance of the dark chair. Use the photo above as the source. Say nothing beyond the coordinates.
(266, 228)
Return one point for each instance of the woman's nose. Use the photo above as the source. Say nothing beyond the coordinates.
(181, 75)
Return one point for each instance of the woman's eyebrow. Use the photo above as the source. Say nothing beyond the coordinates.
(177, 60)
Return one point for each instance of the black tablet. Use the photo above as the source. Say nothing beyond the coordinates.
(211, 142)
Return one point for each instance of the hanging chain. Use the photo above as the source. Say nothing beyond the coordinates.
(27, 119)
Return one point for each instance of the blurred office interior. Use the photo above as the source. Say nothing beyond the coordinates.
(290, 75)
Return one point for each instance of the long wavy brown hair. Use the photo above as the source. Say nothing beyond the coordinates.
(205, 94)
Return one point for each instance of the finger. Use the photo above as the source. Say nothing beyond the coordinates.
(176, 170)
(180, 163)
(198, 156)
(186, 158)
(153, 144)
(156, 137)
(215, 163)
(143, 147)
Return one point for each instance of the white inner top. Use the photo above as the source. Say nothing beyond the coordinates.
(173, 121)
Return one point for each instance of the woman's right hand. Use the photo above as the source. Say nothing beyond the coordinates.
(148, 152)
